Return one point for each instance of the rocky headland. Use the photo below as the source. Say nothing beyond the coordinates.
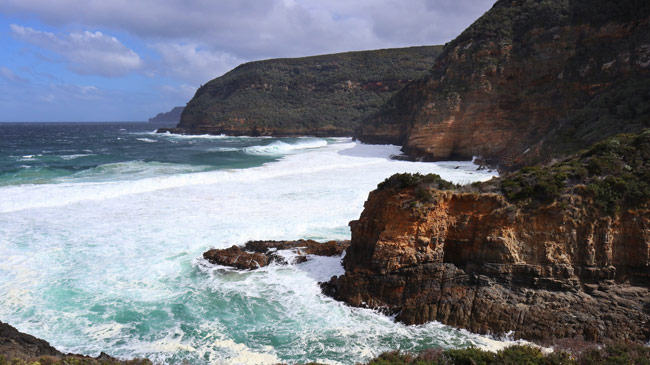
(256, 254)
(549, 252)
(528, 81)
(324, 95)
(172, 116)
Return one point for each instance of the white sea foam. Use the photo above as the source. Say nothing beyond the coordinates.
(192, 136)
(281, 148)
(119, 261)
(75, 156)
(147, 140)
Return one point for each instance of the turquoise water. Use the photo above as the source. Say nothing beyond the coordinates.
(102, 227)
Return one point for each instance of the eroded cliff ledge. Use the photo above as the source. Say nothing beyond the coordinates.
(553, 252)
(529, 80)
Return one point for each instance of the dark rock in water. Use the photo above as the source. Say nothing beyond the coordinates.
(237, 258)
(256, 254)
(17, 345)
(302, 247)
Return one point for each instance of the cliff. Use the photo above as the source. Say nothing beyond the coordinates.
(549, 252)
(172, 116)
(528, 81)
(322, 95)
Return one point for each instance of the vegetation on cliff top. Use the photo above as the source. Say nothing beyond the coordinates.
(615, 173)
(614, 354)
(509, 19)
(301, 94)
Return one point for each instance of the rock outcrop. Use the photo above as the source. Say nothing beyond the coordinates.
(324, 95)
(256, 254)
(527, 81)
(547, 253)
(17, 345)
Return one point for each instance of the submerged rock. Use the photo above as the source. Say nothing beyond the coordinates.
(256, 254)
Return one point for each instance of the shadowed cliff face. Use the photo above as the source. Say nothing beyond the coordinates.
(321, 95)
(528, 80)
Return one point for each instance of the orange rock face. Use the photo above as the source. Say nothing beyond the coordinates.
(515, 95)
(478, 262)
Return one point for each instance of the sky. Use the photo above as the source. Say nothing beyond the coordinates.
(127, 60)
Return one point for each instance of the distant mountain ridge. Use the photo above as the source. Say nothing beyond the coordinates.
(318, 95)
(528, 81)
(172, 116)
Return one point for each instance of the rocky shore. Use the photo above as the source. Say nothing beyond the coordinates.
(19, 347)
(559, 251)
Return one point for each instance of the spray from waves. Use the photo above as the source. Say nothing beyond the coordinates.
(75, 156)
(147, 140)
(14, 198)
(189, 136)
(132, 170)
(281, 148)
(123, 268)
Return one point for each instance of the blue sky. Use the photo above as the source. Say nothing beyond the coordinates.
(127, 60)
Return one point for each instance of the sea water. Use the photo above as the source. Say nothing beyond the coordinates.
(102, 228)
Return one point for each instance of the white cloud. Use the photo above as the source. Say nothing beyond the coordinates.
(183, 91)
(86, 52)
(190, 63)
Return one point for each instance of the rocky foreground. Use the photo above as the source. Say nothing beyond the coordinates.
(560, 251)
(20, 348)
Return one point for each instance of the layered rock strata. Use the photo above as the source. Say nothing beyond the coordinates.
(527, 81)
(256, 254)
(479, 262)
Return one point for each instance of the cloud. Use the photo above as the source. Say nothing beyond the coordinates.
(86, 52)
(251, 29)
(184, 91)
(191, 63)
(10, 76)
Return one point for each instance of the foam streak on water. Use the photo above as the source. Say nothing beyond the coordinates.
(115, 265)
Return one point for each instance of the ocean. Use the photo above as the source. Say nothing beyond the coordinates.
(102, 228)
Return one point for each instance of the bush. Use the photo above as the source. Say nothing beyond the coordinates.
(615, 171)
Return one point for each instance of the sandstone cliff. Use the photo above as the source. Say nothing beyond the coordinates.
(321, 95)
(527, 81)
(516, 253)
